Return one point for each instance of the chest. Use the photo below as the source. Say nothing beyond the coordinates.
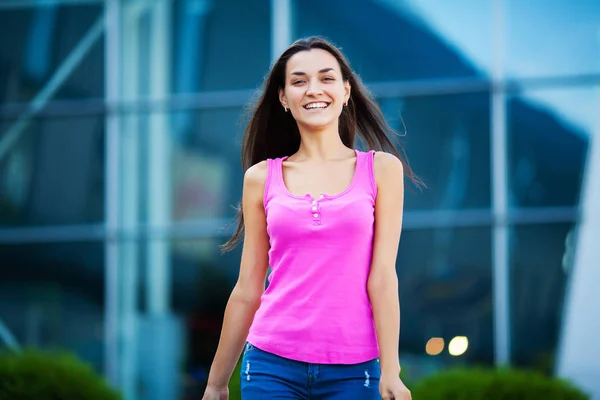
(327, 221)
(318, 179)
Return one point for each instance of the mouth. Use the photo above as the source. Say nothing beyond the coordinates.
(316, 105)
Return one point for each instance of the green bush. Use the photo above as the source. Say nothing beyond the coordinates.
(32, 375)
(494, 384)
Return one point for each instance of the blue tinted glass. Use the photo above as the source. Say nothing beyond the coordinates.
(204, 169)
(548, 134)
(52, 296)
(53, 173)
(220, 45)
(539, 270)
(404, 40)
(445, 284)
(51, 46)
(552, 38)
(213, 152)
(200, 282)
(448, 145)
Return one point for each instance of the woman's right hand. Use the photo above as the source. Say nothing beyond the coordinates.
(215, 393)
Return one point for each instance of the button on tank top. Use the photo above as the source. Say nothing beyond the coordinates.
(316, 307)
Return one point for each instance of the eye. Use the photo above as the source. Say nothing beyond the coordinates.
(297, 82)
(328, 78)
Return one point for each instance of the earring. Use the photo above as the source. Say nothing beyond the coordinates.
(346, 103)
(285, 108)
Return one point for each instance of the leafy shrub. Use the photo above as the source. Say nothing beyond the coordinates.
(34, 374)
(494, 384)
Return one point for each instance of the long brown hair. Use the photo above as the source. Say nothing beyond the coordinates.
(273, 133)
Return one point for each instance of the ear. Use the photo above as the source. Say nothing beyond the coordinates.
(282, 98)
(347, 89)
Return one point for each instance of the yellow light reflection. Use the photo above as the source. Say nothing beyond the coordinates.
(458, 345)
(434, 346)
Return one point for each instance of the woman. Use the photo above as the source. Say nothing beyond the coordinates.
(327, 219)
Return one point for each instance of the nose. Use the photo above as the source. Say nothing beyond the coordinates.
(314, 87)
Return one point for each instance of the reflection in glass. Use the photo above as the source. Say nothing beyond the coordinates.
(201, 155)
(36, 41)
(540, 265)
(52, 296)
(544, 40)
(412, 40)
(202, 282)
(173, 349)
(207, 170)
(447, 142)
(445, 278)
(548, 135)
(210, 53)
(53, 173)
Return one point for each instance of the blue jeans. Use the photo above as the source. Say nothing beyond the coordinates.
(265, 376)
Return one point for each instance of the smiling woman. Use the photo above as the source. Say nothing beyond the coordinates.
(326, 217)
(314, 96)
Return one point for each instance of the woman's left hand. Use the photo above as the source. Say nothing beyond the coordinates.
(392, 388)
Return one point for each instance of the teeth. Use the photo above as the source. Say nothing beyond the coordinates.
(316, 105)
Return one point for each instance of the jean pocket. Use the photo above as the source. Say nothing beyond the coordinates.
(249, 347)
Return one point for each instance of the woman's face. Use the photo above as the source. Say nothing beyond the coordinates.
(315, 91)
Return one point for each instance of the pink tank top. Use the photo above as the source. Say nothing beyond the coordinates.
(316, 307)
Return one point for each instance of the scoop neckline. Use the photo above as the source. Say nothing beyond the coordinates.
(321, 195)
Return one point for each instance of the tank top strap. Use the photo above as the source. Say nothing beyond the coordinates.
(273, 177)
(365, 171)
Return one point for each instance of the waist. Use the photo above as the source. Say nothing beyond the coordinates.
(316, 330)
(316, 353)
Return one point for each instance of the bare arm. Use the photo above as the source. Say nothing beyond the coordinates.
(245, 297)
(383, 281)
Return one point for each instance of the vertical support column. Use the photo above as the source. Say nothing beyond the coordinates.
(281, 27)
(111, 247)
(500, 249)
(578, 355)
(162, 345)
(130, 200)
(159, 163)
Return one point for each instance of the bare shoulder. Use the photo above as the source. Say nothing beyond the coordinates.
(254, 184)
(256, 175)
(387, 167)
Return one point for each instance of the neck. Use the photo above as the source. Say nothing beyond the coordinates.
(321, 144)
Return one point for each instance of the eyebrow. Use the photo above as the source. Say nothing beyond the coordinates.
(322, 71)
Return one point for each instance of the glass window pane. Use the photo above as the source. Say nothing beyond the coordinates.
(448, 145)
(187, 161)
(53, 173)
(207, 169)
(548, 135)
(52, 296)
(405, 40)
(552, 38)
(217, 49)
(35, 42)
(202, 284)
(445, 278)
(180, 342)
(540, 263)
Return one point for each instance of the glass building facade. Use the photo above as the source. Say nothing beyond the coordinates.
(120, 128)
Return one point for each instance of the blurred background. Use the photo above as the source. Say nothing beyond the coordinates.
(120, 128)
